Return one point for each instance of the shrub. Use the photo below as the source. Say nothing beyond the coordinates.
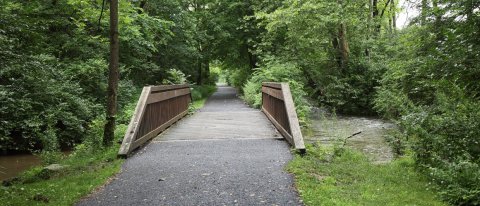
(458, 181)
(252, 93)
(352, 90)
(445, 138)
(278, 72)
(39, 103)
(238, 77)
(200, 92)
(175, 76)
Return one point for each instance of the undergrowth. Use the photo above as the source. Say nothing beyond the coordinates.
(84, 171)
(342, 176)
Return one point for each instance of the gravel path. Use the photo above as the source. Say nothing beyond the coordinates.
(225, 154)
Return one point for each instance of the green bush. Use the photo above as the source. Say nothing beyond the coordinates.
(238, 77)
(350, 90)
(278, 72)
(39, 104)
(175, 76)
(252, 93)
(446, 141)
(443, 133)
(203, 91)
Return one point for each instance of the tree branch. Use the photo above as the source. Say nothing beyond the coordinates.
(101, 14)
(384, 8)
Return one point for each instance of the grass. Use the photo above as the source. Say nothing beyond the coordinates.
(197, 104)
(329, 176)
(200, 95)
(86, 171)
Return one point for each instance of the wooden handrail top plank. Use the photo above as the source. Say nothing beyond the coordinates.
(168, 87)
(276, 93)
(162, 96)
(272, 85)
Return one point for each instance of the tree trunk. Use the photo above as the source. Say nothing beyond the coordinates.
(438, 21)
(394, 15)
(343, 45)
(390, 25)
(336, 48)
(142, 5)
(207, 68)
(199, 69)
(469, 7)
(252, 60)
(113, 76)
(375, 15)
(375, 8)
(369, 27)
(424, 12)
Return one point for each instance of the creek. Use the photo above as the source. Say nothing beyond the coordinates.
(12, 165)
(367, 134)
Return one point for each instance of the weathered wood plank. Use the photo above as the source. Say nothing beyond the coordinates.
(133, 127)
(156, 131)
(279, 127)
(272, 85)
(293, 118)
(155, 89)
(172, 104)
(277, 93)
(281, 110)
(157, 97)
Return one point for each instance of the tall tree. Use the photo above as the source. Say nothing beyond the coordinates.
(113, 75)
(394, 15)
(424, 9)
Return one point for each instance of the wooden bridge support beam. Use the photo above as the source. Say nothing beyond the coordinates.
(278, 106)
(158, 107)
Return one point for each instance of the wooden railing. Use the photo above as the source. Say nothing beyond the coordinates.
(158, 107)
(278, 106)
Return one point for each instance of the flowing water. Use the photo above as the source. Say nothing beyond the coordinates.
(12, 165)
(368, 133)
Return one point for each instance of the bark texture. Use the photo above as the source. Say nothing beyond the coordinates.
(113, 76)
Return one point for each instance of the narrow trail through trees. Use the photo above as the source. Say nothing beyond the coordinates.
(225, 154)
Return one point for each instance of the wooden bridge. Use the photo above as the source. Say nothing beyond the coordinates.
(161, 106)
(224, 154)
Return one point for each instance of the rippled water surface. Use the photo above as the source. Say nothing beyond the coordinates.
(327, 128)
(12, 165)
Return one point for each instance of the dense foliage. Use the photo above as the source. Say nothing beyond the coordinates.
(53, 60)
(431, 87)
(347, 56)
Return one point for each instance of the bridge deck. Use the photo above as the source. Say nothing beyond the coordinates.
(225, 154)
